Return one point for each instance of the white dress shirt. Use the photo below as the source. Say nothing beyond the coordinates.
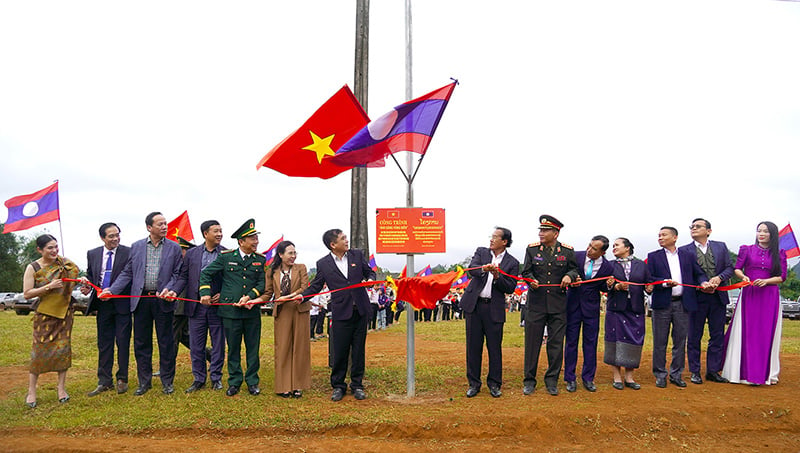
(486, 292)
(675, 270)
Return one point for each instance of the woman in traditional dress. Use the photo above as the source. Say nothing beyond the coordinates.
(753, 340)
(52, 322)
(625, 315)
(286, 279)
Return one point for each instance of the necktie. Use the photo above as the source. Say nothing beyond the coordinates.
(285, 284)
(107, 274)
(591, 267)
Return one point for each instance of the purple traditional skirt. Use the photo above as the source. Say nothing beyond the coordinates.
(624, 338)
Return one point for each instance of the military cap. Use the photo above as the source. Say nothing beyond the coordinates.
(186, 245)
(247, 229)
(549, 222)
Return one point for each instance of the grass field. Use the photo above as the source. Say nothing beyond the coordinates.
(437, 379)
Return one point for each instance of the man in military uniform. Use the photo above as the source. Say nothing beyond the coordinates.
(547, 262)
(242, 271)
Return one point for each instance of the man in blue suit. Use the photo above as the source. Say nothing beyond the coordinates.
(672, 304)
(203, 319)
(715, 260)
(583, 312)
(350, 310)
(484, 308)
(155, 261)
(104, 265)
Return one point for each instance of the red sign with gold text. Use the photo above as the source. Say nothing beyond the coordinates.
(410, 230)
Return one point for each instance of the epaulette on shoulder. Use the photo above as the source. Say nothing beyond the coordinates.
(534, 244)
(566, 246)
(258, 254)
(228, 251)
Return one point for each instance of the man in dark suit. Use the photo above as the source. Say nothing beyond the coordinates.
(242, 272)
(583, 313)
(104, 265)
(350, 310)
(484, 304)
(715, 260)
(547, 262)
(672, 304)
(203, 319)
(155, 261)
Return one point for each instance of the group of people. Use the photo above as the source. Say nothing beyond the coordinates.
(137, 291)
(684, 283)
(138, 287)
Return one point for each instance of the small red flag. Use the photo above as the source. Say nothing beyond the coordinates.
(307, 152)
(180, 227)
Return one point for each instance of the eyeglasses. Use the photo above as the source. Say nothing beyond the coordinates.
(696, 226)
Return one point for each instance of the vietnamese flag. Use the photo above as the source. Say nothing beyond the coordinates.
(180, 227)
(307, 152)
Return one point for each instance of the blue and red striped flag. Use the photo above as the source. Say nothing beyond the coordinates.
(407, 127)
(521, 288)
(372, 264)
(461, 281)
(27, 211)
(788, 242)
(425, 272)
(270, 252)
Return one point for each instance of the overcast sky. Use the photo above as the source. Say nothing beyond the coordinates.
(615, 116)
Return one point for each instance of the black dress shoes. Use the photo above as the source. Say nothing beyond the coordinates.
(359, 394)
(696, 379)
(141, 390)
(677, 381)
(168, 389)
(297, 393)
(618, 385)
(122, 387)
(716, 377)
(571, 386)
(196, 385)
(552, 390)
(589, 385)
(253, 389)
(495, 392)
(472, 391)
(633, 385)
(527, 389)
(100, 389)
(216, 385)
(232, 390)
(337, 394)
(661, 382)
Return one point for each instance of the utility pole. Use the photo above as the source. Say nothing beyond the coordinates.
(359, 234)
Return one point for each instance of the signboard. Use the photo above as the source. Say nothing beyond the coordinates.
(410, 230)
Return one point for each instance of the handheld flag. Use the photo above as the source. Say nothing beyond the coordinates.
(269, 253)
(180, 226)
(372, 264)
(788, 242)
(27, 211)
(425, 272)
(307, 152)
(408, 127)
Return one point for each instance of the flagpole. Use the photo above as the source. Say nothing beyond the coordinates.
(60, 230)
(410, 375)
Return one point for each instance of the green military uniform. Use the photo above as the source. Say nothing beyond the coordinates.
(240, 277)
(547, 306)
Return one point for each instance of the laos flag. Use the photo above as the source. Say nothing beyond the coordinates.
(408, 127)
(27, 211)
(788, 242)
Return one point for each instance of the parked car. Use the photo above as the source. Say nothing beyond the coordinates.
(24, 306)
(7, 300)
(733, 296)
(790, 309)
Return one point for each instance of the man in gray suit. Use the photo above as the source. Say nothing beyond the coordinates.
(154, 262)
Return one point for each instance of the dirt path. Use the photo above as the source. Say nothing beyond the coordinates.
(713, 417)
